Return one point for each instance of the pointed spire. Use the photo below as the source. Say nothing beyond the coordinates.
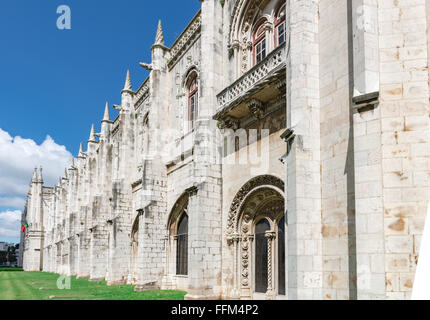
(106, 116)
(92, 134)
(127, 85)
(34, 179)
(72, 165)
(81, 151)
(40, 176)
(65, 174)
(159, 38)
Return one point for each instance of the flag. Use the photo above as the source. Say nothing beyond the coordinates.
(24, 227)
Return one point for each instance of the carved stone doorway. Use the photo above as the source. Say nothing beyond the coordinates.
(255, 229)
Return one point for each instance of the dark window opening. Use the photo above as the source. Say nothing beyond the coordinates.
(281, 33)
(281, 257)
(260, 51)
(182, 247)
(261, 256)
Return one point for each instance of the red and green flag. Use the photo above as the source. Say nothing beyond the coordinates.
(24, 227)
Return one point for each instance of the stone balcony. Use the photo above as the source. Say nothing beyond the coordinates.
(251, 94)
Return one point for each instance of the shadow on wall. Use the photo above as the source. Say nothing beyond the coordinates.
(350, 168)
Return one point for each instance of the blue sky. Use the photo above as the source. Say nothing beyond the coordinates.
(54, 83)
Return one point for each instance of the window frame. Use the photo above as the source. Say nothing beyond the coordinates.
(182, 262)
(258, 38)
(261, 262)
(278, 22)
(193, 95)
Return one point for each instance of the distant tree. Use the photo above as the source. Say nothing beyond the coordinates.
(11, 254)
(3, 257)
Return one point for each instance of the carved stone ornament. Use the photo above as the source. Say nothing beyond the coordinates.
(185, 40)
(233, 216)
(229, 123)
(256, 107)
(244, 14)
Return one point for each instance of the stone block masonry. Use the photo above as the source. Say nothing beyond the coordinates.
(326, 201)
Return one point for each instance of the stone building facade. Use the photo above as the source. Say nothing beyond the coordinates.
(277, 150)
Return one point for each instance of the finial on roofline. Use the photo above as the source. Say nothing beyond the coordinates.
(127, 85)
(92, 135)
(159, 37)
(106, 116)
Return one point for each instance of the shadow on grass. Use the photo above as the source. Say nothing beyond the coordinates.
(6, 269)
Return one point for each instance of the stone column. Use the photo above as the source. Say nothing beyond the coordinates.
(195, 250)
(204, 209)
(271, 236)
(365, 50)
(235, 294)
(365, 184)
(251, 260)
(167, 247)
(303, 170)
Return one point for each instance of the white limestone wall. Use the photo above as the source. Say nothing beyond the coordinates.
(177, 121)
(304, 170)
(235, 175)
(404, 90)
(370, 266)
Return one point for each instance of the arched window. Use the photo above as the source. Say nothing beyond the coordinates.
(259, 43)
(182, 246)
(281, 256)
(261, 255)
(280, 30)
(193, 100)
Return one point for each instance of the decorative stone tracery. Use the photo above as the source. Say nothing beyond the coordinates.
(233, 217)
(245, 15)
(260, 197)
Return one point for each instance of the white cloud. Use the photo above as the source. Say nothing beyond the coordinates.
(19, 157)
(12, 202)
(10, 222)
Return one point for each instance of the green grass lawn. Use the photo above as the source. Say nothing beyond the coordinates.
(18, 285)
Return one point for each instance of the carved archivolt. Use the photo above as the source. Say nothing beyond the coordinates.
(239, 200)
(261, 197)
(263, 202)
(245, 13)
